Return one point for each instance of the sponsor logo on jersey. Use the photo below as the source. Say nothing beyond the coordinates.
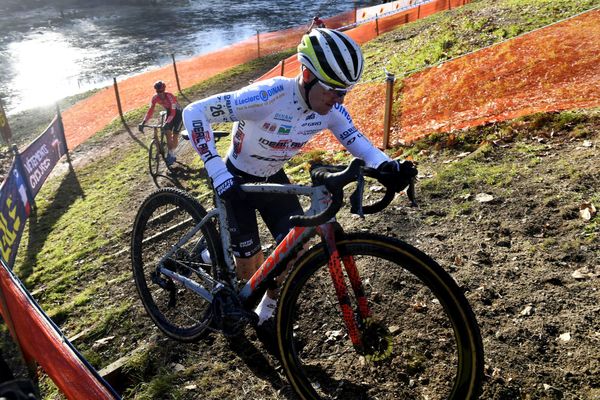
(283, 117)
(342, 110)
(311, 116)
(280, 144)
(263, 95)
(284, 129)
(238, 139)
(317, 123)
(228, 104)
(309, 132)
(268, 127)
(204, 151)
(274, 158)
(347, 133)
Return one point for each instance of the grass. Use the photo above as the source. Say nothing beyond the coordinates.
(454, 33)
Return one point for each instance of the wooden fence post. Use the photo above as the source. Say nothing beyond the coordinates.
(176, 74)
(258, 43)
(389, 101)
(118, 100)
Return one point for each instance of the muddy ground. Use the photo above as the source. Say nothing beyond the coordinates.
(507, 224)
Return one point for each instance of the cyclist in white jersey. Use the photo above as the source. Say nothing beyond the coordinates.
(273, 120)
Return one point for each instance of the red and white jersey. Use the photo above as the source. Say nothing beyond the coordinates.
(273, 122)
(169, 102)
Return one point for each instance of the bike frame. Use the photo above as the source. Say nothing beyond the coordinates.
(285, 251)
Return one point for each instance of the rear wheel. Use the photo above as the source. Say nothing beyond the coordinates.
(163, 219)
(422, 340)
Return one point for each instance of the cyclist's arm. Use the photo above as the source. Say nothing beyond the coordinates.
(151, 109)
(224, 107)
(353, 140)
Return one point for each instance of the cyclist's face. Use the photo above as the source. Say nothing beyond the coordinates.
(322, 99)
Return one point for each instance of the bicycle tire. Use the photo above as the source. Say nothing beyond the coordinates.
(419, 311)
(162, 219)
(154, 158)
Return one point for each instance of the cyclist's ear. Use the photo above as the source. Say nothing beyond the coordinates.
(307, 76)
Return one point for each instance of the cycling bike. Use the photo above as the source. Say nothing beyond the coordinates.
(359, 315)
(158, 149)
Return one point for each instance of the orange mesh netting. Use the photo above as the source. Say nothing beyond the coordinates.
(88, 116)
(366, 104)
(552, 69)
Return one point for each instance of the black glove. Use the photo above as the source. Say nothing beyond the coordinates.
(396, 175)
(229, 188)
(141, 128)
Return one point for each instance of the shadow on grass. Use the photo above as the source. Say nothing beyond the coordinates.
(40, 225)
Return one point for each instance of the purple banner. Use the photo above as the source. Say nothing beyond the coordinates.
(42, 155)
(14, 210)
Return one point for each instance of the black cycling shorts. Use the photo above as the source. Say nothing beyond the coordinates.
(176, 123)
(275, 210)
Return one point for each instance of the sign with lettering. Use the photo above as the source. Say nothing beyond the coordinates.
(42, 155)
(14, 210)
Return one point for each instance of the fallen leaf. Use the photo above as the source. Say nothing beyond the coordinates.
(582, 273)
(484, 197)
(527, 311)
(104, 340)
(587, 211)
(565, 337)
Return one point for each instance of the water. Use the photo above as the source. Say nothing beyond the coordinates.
(45, 56)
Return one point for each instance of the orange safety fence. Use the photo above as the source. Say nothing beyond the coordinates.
(366, 102)
(41, 341)
(551, 69)
(90, 115)
(369, 30)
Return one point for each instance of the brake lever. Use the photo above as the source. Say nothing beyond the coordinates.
(357, 195)
(410, 193)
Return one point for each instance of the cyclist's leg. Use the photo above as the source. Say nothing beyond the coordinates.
(171, 138)
(275, 209)
(245, 240)
(176, 125)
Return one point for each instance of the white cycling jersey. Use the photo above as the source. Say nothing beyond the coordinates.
(273, 123)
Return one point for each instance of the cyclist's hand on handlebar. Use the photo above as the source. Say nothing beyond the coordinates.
(141, 128)
(227, 186)
(396, 175)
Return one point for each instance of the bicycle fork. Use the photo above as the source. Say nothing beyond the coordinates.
(369, 337)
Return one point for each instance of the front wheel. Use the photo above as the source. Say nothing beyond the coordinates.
(163, 219)
(156, 158)
(421, 341)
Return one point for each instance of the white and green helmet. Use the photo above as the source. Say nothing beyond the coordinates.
(332, 56)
